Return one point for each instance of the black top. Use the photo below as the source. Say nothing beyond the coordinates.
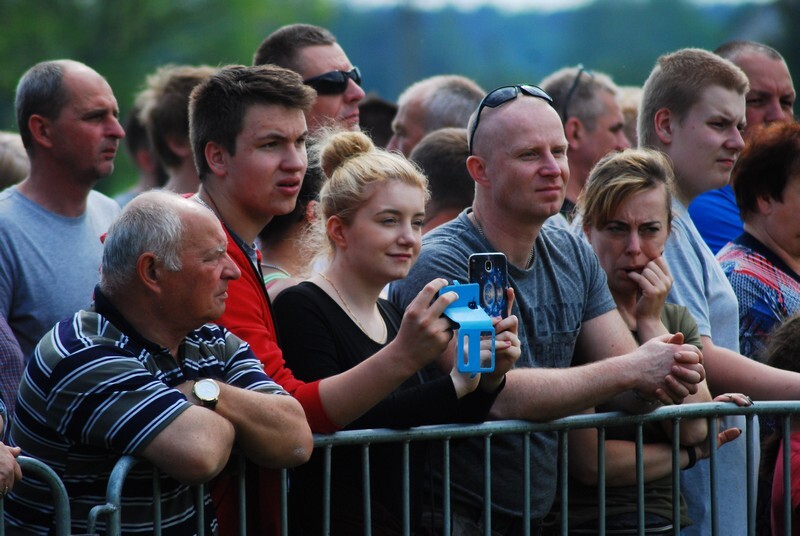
(320, 340)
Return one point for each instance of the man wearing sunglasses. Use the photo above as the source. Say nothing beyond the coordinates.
(518, 160)
(313, 52)
(586, 101)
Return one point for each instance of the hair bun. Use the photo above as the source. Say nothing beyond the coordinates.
(340, 147)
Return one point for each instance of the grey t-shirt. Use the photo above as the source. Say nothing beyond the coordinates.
(701, 286)
(49, 264)
(565, 287)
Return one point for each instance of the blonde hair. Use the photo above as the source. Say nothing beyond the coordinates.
(618, 176)
(352, 165)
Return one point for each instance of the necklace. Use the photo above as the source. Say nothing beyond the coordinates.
(275, 267)
(352, 314)
(479, 227)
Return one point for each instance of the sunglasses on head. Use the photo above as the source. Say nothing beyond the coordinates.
(575, 83)
(334, 82)
(498, 97)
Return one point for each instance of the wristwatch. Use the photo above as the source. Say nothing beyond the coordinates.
(207, 390)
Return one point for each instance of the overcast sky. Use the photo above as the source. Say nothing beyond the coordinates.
(514, 5)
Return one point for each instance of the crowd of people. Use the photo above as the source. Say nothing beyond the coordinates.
(267, 278)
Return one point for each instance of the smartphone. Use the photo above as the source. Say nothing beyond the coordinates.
(490, 272)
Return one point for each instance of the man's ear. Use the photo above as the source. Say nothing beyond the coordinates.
(180, 147)
(334, 228)
(148, 271)
(41, 132)
(217, 158)
(764, 204)
(664, 121)
(476, 166)
(574, 131)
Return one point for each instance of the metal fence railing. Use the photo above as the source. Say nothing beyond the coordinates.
(444, 435)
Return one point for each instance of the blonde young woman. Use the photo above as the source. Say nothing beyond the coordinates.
(626, 215)
(372, 208)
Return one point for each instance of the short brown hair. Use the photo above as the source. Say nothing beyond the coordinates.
(677, 83)
(218, 105)
(765, 166)
(282, 46)
(616, 177)
(165, 106)
(442, 155)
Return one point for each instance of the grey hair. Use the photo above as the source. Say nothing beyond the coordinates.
(446, 100)
(40, 91)
(585, 102)
(150, 223)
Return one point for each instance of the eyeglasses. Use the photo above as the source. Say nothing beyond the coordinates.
(334, 82)
(572, 89)
(501, 95)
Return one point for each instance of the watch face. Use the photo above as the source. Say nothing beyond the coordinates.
(206, 390)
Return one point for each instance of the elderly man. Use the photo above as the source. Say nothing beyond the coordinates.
(593, 123)
(50, 223)
(142, 373)
(770, 99)
(313, 53)
(437, 102)
(567, 316)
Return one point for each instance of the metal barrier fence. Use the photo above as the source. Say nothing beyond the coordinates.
(444, 434)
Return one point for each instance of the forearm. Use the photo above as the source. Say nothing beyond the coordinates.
(349, 394)
(621, 463)
(692, 431)
(542, 394)
(729, 371)
(271, 429)
(194, 447)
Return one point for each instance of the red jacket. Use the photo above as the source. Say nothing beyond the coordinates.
(248, 314)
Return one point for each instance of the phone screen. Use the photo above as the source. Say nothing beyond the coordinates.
(490, 272)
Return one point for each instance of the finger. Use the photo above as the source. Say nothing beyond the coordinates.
(510, 297)
(687, 354)
(428, 293)
(677, 338)
(661, 262)
(665, 399)
(688, 374)
(509, 323)
(728, 435)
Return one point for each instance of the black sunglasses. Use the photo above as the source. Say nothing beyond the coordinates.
(575, 83)
(502, 95)
(334, 82)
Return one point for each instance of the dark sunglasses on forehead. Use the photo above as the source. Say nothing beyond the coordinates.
(334, 82)
(501, 95)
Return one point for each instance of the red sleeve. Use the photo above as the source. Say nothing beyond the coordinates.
(248, 315)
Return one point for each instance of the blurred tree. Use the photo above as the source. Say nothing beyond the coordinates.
(124, 40)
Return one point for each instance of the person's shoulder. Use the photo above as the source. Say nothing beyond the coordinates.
(12, 205)
(563, 241)
(303, 290)
(99, 201)
(448, 233)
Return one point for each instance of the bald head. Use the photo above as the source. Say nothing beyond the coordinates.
(499, 126)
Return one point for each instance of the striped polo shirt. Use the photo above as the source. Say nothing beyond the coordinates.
(95, 389)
